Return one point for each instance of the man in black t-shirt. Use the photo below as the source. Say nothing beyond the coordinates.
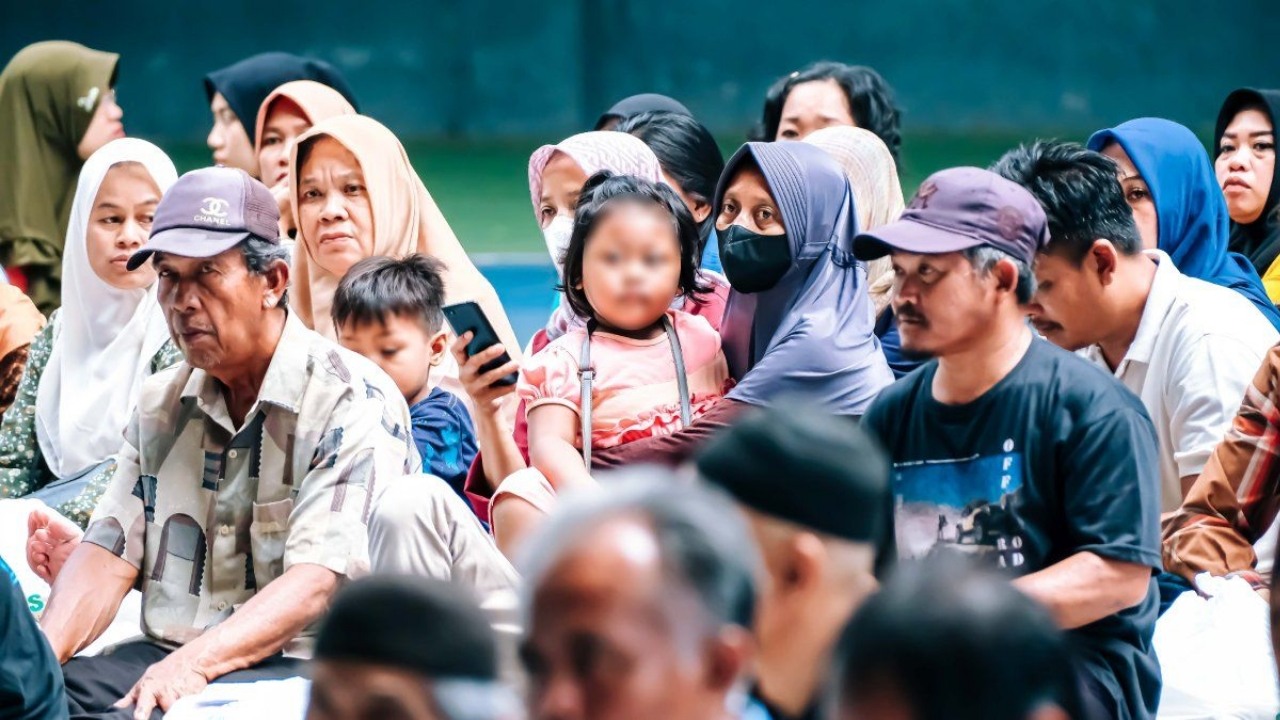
(1007, 448)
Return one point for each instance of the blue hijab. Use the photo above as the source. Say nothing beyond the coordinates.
(1191, 212)
(811, 335)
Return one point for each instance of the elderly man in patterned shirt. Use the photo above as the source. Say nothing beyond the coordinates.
(244, 485)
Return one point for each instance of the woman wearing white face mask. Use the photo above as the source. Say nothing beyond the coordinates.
(556, 175)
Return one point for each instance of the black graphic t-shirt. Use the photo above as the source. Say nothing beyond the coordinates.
(1058, 458)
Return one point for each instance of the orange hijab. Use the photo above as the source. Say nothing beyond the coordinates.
(406, 220)
(19, 319)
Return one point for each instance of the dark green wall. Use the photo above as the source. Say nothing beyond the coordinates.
(489, 69)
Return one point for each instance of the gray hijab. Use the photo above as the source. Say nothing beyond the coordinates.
(811, 335)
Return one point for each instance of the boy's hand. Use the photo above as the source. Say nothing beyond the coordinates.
(485, 395)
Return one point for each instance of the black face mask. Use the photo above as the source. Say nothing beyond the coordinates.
(753, 263)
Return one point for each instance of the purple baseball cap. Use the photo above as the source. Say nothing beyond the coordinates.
(210, 211)
(960, 208)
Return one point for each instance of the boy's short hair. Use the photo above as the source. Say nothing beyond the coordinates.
(378, 287)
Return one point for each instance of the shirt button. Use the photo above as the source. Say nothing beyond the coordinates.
(222, 606)
(232, 454)
(225, 530)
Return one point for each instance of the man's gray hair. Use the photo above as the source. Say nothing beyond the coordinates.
(706, 548)
(985, 257)
(260, 255)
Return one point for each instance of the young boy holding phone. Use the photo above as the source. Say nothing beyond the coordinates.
(390, 311)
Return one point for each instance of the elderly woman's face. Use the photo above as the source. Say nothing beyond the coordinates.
(119, 223)
(215, 306)
(335, 216)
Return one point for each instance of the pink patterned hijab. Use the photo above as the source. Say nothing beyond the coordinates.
(594, 151)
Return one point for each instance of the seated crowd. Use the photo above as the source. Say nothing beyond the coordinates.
(788, 447)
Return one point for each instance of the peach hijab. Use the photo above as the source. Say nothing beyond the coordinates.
(406, 220)
(318, 102)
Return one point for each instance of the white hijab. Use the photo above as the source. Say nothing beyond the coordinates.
(106, 337)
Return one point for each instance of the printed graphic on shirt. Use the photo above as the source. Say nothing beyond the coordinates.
(964, 505)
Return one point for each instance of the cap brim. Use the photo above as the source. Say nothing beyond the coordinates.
(910, 236)
(187, 242)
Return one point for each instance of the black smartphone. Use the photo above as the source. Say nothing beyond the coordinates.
(467, 317)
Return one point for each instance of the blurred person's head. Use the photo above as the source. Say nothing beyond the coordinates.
(962, 257)
(1245, 153)
(629, 107)
(288, 112)
(1092, 274)
(690, 158)
(638, 604)
(558, 172)
(819, 539)
(947, 639)
(235, 94)
(389, 310)
(408, 649)
(824, 94)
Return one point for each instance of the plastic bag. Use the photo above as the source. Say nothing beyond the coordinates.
(1216, 655)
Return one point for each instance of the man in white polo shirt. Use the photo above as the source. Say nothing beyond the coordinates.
(1186, 347)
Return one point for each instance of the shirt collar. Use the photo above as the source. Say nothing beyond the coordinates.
(1163, 293)
(283, 385)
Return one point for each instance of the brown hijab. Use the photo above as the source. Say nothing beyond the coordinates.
(406, 220)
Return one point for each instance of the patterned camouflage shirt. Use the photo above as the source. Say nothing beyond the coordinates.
(22, 466)
(209, 513)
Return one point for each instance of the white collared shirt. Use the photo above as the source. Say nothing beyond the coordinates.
(1197, 347)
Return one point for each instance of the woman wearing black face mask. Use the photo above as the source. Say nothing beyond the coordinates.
(799, 321)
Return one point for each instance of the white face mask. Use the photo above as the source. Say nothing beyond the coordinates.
(556, 234)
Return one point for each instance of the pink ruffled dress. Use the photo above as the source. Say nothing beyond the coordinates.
(634, 393)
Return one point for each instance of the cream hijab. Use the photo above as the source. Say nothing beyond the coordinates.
(406, 220)
(873, 176)
(106, 337)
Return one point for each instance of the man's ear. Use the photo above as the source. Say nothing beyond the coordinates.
(438, 344)
(806, 558)
(277, 282)
(1006, 273)
(729, 655)
(1104, 260)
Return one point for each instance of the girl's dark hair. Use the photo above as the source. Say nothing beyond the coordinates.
(870, 101)
(603, 190)
(688, 154)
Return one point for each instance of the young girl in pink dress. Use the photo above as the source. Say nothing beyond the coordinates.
(649, 370)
